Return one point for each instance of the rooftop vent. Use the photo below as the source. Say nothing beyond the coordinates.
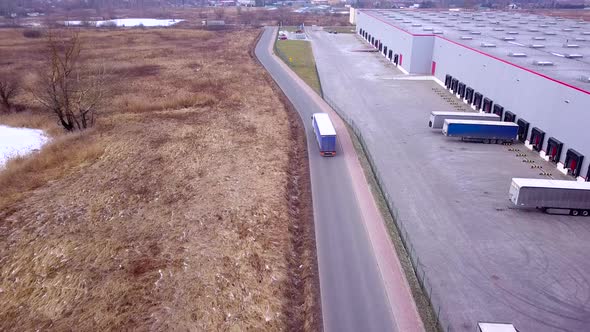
(537, 46)
(512, 32)
(580, 39)
(480, 25)
(552, 23)
(406, 21)
(465, 22)
(448, 25)
(571, 45)
(436, 21)
(550, 33)
(498, 29)
(567, 29)
(428, 29)
(533, 30)
(574, 56)
(517, 55)
(463, 29)
(438, 32)
(543, 26)
(488, 45)
(475, 33)
(586, 33)
(513, 26)
(416, 25)
(466, 38)
(542, 63)
(575, 27)
(585, 78)
(508, 38)
(539, 38)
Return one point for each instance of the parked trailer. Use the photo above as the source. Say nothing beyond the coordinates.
(481, 131)
(325, 134)
(437, 118)
(496, 327)
(551, 196)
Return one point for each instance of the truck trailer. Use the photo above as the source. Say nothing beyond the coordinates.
(551, 196)
(437, 118)
(481, 131)
(325, 134)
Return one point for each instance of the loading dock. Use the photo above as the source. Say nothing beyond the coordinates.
(498, 110)
(487, 105)
(477, 99)
(523, 129)
(573, 162)
(461, 90)
(537, 137)
(469, 95)
(448, 80)
(454, 84)
(554, 147)
(509, 117)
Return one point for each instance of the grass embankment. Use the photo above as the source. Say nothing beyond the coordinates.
(185, 208)
(299, 56)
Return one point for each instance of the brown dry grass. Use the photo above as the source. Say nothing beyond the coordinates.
(186, 208)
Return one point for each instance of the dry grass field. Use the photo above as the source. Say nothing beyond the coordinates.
(187, 207)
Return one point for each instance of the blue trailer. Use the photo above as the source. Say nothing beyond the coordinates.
(481, 131)
(325, 134)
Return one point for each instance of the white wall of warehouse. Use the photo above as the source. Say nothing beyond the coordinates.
(560, 111)
(396, 40)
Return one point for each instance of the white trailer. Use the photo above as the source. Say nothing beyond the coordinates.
(496, 327)
(437, 118)
(551, 196)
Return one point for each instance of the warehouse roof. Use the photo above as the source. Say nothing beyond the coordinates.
(554, 47)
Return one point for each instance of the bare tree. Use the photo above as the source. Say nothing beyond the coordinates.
(72, 93)
(9, 88)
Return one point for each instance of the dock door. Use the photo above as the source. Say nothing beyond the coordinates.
(554, 149)
(498, 110)
(573, 162)
(477, 99)
(487, 105)
(509, 117)
(469, 95)
(537, 138)
(523, 129)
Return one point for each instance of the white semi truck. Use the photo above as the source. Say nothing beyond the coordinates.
(552, 196)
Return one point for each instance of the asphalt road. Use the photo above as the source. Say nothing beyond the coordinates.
(353, 293)
(483, 260)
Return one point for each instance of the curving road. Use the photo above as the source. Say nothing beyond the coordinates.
(361, 281)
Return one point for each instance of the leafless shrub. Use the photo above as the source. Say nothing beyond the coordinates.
(9, 88)
(32, 33)
(219, 12)
(72, 93)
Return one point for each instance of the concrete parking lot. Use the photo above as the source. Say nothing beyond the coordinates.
(482, 259)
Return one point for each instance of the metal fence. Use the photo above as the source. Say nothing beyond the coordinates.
(442, 319)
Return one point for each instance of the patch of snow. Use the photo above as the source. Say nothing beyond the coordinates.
(131, 22)
(19, 141)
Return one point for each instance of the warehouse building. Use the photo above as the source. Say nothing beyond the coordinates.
(529, 69)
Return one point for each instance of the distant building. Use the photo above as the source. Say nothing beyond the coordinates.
(247, 3)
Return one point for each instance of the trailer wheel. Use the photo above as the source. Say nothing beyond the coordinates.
(585, 213)
(575, 213)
